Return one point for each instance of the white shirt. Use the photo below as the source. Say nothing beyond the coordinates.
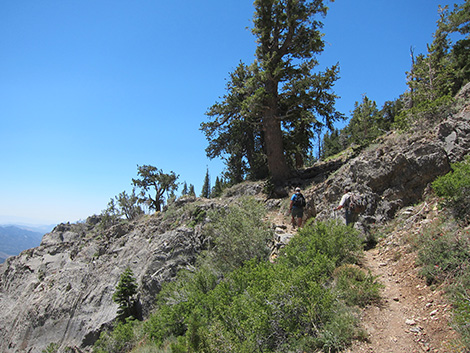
(344, 198)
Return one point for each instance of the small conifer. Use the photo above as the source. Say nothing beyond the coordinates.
(125, 296)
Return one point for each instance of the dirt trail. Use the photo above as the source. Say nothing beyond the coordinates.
(411, 317)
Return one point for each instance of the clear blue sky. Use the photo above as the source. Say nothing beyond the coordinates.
(91, 89)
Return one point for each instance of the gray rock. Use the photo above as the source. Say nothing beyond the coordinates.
(61, 292)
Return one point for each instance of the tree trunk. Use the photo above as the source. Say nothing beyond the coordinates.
(273, 137)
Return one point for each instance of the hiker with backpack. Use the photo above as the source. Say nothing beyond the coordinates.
(347, 205)
(296, 208)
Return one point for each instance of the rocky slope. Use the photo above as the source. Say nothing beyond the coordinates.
(61, 291)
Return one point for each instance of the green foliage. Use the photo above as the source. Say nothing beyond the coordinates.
(438, 75)
(458, 20)
(188, 191)
(356, 287)
(364, 125)
(238, 234)
(110, 215)
(206, 186)
(444, 257)
(120, 340)
(443, 252)
(333, 240)
(332, 144)
(455, 188)
(125, 296)
(274, 106)
(218, 188)
(198, 215)
(264, 307)
(425, 113)
(51, 348)
(152, 180)
(128, 205)
(191, 190)
(339, 332)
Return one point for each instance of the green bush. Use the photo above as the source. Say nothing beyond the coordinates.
(120, 340)
(235, 300)
(356, 287)
(51, 348)
(444, 256)
(238, 233)
(460, 296)
(332, 239)
(265, 307)
(198, 216)
(455, 188)
(442, 253)
(426, 113)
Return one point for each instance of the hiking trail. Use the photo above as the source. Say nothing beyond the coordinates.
(411, 316)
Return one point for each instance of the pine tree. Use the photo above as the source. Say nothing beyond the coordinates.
(331, 144)
(125, 296)
(191, 190)
(152, 180)
(217, 189)
(185, 189)
(206, 187)
(364, 124)
(273, 107)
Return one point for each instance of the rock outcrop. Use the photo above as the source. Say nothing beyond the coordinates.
(61, 292)
(396, 171)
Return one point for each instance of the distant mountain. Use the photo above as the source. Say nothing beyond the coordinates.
(14, 239)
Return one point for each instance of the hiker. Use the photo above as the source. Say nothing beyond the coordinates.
(345, 203)
(296, 208)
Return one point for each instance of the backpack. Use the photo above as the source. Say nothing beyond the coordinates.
(357, 203)
(299, 201)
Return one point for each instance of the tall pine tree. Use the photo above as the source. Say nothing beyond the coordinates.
(274, 106)
(206, 187)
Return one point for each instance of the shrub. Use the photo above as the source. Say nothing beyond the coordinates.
(260, 306)
(332, 239)
(444, 254)
(455, 188)
(356, 287)
(121, 339)
(426, 113)
(51, 348)
(238, 234)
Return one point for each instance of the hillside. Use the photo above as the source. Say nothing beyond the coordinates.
(61, 292)
(14, 239)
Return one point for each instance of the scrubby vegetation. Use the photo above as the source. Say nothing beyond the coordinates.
(236, 300)
(444, 251)
(455, 190)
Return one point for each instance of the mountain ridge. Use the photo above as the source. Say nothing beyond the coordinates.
(14, 239)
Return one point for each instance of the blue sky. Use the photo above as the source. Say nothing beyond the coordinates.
(91, 89)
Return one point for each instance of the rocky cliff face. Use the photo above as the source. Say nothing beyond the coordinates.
(61, 292)
(397, 170)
